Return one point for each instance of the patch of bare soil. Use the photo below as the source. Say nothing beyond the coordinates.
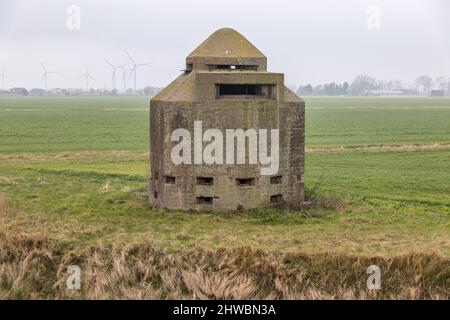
(71, 155)
(394, 147)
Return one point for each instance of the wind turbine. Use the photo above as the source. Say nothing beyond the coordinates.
(4, 77)
(124, 77)
(134, 68)
(114, 68)
(45, 75)
(87, 76)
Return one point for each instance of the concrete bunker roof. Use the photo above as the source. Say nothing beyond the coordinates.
(226, 43)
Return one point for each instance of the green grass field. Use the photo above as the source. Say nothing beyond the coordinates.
(76, 169)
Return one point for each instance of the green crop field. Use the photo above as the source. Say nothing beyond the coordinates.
(121, 123)
(82, 163)
(75, 169)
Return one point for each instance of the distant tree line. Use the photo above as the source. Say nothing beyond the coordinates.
(147, 91)
(367, 85)
(328, 89)
(362, 85)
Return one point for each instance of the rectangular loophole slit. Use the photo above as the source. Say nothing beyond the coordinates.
(240, 90)
(169, 179)
(155, 194)
(277, 198)
(276, 180)
(156, 176)
(246, 91)
(232, 67)
(205, 181)
(204, 200)
(242, 182)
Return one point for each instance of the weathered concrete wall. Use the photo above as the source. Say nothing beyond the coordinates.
(193, 97)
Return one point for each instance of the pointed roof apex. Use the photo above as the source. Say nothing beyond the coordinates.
(227, 42)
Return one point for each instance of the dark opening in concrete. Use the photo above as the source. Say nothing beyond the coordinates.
(207, 181)
(169, 179)
(265, 91)
(240, 89)
(245, 181)
(276, 180)
(204, 200)
(232, 67)
(277, 198)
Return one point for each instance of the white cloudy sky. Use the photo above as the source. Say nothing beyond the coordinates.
(310, 41)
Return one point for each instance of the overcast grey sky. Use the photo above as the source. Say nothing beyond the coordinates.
(310, 41)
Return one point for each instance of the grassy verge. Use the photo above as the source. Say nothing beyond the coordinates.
(102, 199)
(73, 176)
(35, 267)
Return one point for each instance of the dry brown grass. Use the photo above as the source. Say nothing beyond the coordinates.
(70, 155)
(379, 148)
(34, 267)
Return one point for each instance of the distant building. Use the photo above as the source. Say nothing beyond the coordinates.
(19, 91)
(55, 92)
(437, 93)
(37, 92)
(395, 92)
(383, 92)
(410, 92)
